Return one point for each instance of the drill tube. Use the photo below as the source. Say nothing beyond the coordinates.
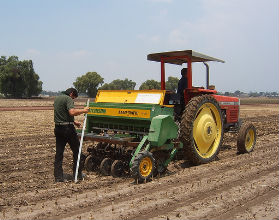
(80, 145)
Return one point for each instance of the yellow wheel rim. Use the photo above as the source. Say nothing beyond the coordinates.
(145, 167)
(249, 139)
(207, 130)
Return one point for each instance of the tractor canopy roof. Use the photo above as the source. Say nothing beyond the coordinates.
(180, 57)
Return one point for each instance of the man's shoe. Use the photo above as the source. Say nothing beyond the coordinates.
(81, 176)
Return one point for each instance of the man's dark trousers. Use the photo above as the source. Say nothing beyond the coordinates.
(66, 134)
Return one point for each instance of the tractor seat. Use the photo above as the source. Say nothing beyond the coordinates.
(198, 87)
(171, 98)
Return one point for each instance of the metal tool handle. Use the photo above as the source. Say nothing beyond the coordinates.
(81, 141)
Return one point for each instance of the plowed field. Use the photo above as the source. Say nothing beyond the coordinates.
(236, 186)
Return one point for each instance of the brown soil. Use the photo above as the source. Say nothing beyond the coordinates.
(236, 186)
(31, 108)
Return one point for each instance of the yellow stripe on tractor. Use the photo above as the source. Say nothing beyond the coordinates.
(132, 113)
(131, 96)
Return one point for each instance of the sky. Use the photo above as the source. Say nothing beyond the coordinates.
(66, 39)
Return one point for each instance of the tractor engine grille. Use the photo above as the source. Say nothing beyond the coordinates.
(232, 115)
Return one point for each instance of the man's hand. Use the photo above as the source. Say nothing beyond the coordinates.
(78, 124)
(86, 109)
(75, 111)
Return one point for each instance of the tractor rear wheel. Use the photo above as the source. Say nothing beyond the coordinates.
(105, 166)
(143, 166)
(246, 139)
(201, 129)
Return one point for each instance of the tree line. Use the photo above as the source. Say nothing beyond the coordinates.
(91, 82)
(238, 93)
(18, 78)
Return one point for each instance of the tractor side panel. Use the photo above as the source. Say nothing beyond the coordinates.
(231, 107)
(123, 117)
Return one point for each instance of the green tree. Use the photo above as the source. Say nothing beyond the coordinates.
(18, 78)
(254, 94)
(237, 93)
(33, 85)
(172, 83)
(227, 94)
(119, 84)
(150, 84)
(106, 86)
(89, 83)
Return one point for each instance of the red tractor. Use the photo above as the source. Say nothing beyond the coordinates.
(202, 115)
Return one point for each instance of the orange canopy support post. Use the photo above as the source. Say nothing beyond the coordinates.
(189, 72)
(178, 58)
(163, 83)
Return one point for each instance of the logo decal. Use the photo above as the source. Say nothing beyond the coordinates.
(133, 113)
(127, 112)
(98, 110)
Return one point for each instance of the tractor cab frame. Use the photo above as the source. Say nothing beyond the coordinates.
(229, 105)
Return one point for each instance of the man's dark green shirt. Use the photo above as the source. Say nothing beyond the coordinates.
(62, 105)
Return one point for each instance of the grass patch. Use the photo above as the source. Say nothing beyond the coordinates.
(258, 100)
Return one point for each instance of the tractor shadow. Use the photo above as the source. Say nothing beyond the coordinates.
(225, 147)
(68, 177)
(181, 164)
(177, 165)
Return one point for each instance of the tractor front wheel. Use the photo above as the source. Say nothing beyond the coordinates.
(201, 129)
(143, 166)
(246, 139)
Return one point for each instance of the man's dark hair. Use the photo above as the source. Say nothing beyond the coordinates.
(184, 72)
(71, 90)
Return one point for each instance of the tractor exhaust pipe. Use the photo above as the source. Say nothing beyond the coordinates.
(207, 75)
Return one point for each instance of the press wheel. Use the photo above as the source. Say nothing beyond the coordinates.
(105, 166)
(89, 164)
(160, 158)
(143, 166)
(117, 168)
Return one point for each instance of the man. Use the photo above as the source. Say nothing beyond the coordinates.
(182, 85)
(65, 132)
